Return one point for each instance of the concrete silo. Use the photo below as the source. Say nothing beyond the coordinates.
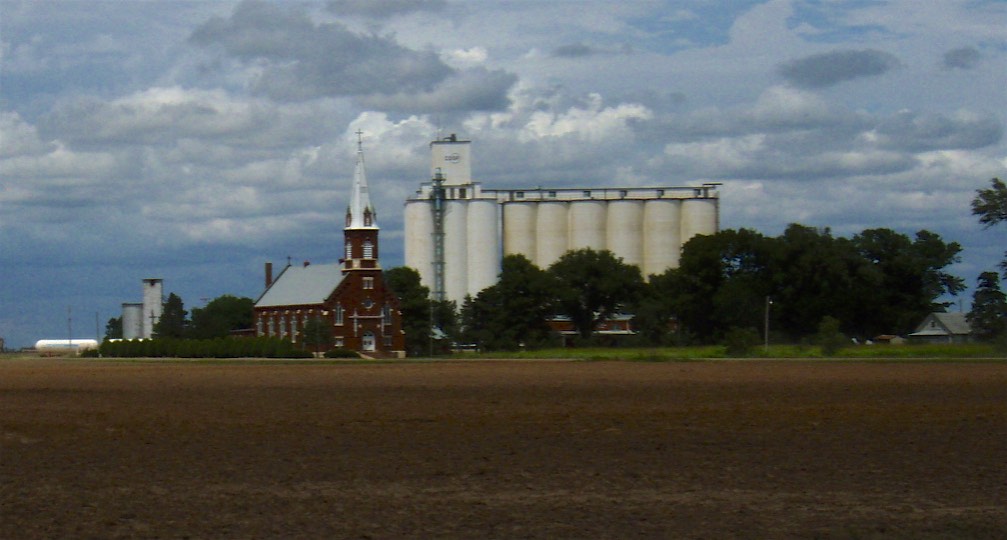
(132, 321)
(519, 219)
(551, 228)
(662, 230)
(419, 239)
(153, 300)
(624, 230)
(586, 225)
(483, 244)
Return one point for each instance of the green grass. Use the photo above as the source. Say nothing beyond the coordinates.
(709, 352)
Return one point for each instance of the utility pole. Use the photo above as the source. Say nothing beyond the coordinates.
(769, 302)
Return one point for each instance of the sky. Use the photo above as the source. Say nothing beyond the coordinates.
(194, 141)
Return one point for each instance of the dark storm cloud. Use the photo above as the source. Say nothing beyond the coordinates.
(301, 60)
(916, 132)
(575, 50)
(381, 9)
(961, 58)
(831, 68)
(477, 89)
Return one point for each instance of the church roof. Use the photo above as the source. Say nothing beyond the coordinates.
(298, 286)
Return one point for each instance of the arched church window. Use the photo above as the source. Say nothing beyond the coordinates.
(368, 249)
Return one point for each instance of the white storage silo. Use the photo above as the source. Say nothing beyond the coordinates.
(455, 250)
(661, 235)
(132, 321)
(483, 239)
(519, 229)
(586, 222)
(699, 216)
(153, 299)
(550, 233)
(624, 230)
(419, 240)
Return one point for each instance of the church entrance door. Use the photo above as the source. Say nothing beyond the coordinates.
(368, 343)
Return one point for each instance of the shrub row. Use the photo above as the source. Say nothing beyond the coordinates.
(259, 347)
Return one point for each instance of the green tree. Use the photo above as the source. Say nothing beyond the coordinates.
(415, 306)
(988, 317)
(220, 316)
(173, 323)
(316, 334)
(113, 328)
(592, 286)
(740, 341)
(991, 207)
(912, 276)
(829, 338)
(512, 312)
(816, 275)
(721, 282)
(991, 204)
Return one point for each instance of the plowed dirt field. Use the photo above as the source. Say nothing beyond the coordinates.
(727, 449)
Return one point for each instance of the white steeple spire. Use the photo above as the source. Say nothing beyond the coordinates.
(360, 214)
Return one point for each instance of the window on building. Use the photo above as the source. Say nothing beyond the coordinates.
(368, 283)
(339, 342)
(519, 194)
(388, 341)
(283, 326)
(461, 193)
(339, 314)
(293, 329)
(258, 327)
(552, 194)
(587, 193)
(368, 250)
(349, 249)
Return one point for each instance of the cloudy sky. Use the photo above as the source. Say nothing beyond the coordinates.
(193, 141)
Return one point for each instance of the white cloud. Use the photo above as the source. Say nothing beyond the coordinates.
(594, 122)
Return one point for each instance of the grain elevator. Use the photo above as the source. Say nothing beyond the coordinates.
(456, 231)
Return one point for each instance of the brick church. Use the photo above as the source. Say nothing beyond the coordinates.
(350, 296)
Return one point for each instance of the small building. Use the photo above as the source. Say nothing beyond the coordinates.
(611, 329)
(942, 328)
(350, 297)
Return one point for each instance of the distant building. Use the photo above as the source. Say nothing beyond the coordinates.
(943, 328)
(350, 297)
(139, 318)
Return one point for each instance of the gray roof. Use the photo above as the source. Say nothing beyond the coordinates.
(302, 285)
(947, 324)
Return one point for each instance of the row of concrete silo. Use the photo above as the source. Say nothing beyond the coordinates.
(642, 229)
(647, 233)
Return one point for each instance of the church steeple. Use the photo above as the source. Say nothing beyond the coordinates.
(360, 235)
(360, 214)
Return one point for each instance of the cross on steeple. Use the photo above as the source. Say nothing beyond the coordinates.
(360, 141)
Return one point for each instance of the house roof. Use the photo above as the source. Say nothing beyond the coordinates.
(946, 324)
(298, 286)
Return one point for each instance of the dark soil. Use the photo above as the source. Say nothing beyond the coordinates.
(747, 449)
